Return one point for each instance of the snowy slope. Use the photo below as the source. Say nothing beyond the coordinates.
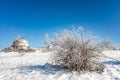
(38, 66)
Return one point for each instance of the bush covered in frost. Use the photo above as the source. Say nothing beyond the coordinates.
(76, 50)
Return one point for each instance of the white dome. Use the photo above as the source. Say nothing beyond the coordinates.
(21, 42)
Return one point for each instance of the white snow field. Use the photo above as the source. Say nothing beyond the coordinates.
(38, 66)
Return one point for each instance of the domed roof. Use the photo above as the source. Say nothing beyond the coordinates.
(20, 42)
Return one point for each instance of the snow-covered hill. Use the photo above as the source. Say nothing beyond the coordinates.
(38, 66)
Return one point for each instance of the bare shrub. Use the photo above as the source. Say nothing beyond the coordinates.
(76, 50)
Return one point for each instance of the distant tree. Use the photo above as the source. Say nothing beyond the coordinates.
(107, 45)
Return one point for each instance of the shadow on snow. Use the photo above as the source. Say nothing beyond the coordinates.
(45, 69)
(112, 62)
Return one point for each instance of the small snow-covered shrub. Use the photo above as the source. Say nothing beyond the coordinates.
(76, 50)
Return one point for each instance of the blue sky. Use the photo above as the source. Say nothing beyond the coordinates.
(32, 19)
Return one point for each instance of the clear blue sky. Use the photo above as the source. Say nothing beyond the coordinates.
(33, 18)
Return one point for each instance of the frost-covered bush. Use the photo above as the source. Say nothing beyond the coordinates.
(76, 50)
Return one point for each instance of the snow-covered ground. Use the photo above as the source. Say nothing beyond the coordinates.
(38, 66)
